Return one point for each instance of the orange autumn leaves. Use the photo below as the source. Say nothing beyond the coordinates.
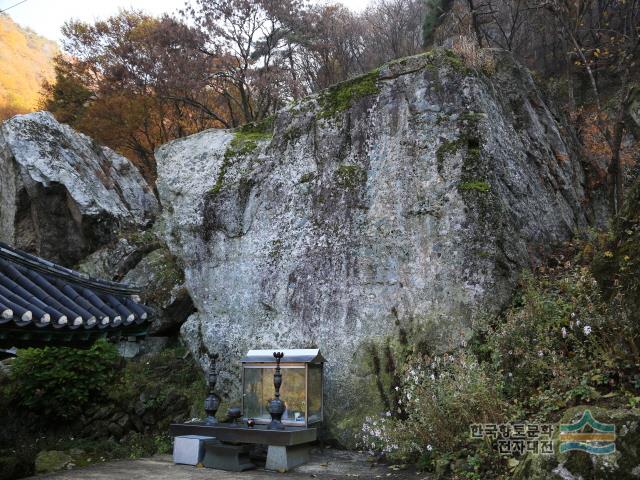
(27, 60)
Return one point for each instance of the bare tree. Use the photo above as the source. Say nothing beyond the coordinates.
(394, 28)
(604, 38)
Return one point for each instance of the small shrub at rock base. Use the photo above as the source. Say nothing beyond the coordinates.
(440, 397)
(139, 445)
(166, 384)
(59, 382)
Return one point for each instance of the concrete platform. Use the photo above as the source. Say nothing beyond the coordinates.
(259, 434)
(333, 464)
(285, 459)
(232, 458)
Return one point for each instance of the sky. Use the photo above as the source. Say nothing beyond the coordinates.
(46, 17)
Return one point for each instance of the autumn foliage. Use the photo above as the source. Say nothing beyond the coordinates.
(134, 82)
(26, 61)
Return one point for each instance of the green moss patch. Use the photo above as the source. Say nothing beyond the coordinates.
(307, 177)
(340, 97)
(245, 141)
(447, 148)
(264, 127)
(477, 186)
(433, 58)
(444, 56)
(350, 176)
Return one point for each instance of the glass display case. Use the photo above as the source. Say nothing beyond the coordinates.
(301, 390)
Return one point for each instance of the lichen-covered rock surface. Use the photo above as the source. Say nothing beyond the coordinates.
(61, 194)
(384, 212)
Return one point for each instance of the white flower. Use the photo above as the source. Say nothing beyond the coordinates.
(510, 374)
(578, 323)
(540, 353)
(564, 332)
(586, 329)
(388, 414)
(429, 448)
(397, 388)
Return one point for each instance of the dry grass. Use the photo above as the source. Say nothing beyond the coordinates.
(480, 59)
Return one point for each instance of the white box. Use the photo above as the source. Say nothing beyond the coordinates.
(189, 449)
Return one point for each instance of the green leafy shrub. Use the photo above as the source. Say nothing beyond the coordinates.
(168, 381)
(59, 382)
(139, 445)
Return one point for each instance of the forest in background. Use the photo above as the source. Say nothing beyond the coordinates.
(27, 61)
(134, 81)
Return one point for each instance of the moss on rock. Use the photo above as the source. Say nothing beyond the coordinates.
(245, 141)
(161, 274)
(307, 177)
(476, 186)
(52, 461)
(447, 148)
(340, 97)
(350, 176)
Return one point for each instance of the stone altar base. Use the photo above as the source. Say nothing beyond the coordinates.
(222, 456)
(189, 449)
(283, 459)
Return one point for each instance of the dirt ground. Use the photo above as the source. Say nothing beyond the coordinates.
(324, 465)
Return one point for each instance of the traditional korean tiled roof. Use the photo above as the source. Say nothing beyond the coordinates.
(44, 303)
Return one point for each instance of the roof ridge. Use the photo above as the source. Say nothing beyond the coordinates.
(47, 267)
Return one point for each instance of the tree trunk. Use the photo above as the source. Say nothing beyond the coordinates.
(474, 22)
(615, 174)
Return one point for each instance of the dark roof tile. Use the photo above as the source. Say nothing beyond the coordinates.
(35, 293)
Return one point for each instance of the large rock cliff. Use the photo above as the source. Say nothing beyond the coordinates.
(387, 210)
(62, 195)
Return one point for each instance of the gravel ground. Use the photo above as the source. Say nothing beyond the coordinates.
(327, 465)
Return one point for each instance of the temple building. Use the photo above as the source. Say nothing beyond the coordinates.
(44, 304)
